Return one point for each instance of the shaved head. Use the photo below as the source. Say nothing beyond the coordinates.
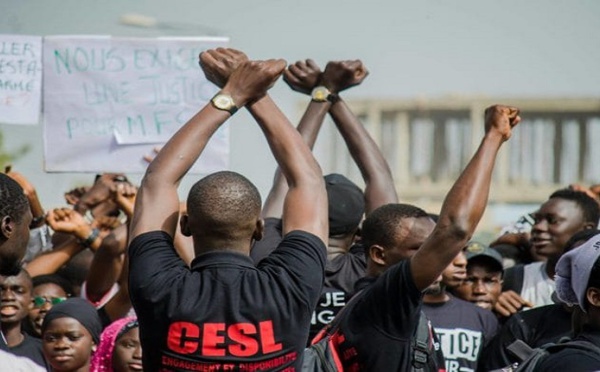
(224, 205)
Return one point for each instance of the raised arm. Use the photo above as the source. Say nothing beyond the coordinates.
(464, 205)
(107, 264)
(37, 211)
(82, 236)
(157, 202)
(303, 77)
(305, 205)
(379, 185)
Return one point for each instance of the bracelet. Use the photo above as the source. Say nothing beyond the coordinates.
(90, 239)
(36, 221)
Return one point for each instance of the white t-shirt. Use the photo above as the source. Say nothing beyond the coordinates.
(537, 286)
(13, 363)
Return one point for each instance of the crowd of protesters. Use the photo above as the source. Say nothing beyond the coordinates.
(128, 278)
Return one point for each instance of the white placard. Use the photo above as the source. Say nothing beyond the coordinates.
(109, 101)
(20, 79)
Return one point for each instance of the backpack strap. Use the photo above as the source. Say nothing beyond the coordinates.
(576, 344)
(520, 349)
(420, 343)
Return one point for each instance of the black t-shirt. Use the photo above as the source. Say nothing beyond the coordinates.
(224, 313)
(341, 274)
(376, 329)
(463, 329)
(30, 348)
(536, 327)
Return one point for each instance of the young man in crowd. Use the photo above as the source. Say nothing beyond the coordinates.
(406, 253)
(461, 327)
(16, 301)
(483, 283)
(223, 312)
(15, 218)
(562, 215)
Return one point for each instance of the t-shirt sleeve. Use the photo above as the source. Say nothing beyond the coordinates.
(271, 239)
(300, 256)
(393, 301)
(154, 266)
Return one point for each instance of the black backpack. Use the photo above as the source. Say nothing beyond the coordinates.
(322, 355)
(531, 358)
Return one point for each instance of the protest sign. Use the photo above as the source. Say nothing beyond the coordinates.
(109, 101)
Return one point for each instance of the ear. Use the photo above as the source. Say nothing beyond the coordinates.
(7, 226)
(593, 296)
(184, 225)
(94, 347)
(259, 231)
(377, 254)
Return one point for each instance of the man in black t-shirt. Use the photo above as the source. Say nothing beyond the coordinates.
(407, 252)
(224, 313)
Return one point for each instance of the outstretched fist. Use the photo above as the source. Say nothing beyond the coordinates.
(251, 79)
(68, 221)
(501, 119)
(218, 64)
(341, 75)
(303, 76)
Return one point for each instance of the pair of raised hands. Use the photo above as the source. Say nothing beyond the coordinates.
(247, 80)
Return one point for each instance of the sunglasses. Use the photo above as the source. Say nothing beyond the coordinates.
(39, 301)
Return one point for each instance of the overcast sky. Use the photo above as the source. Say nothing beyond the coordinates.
(510, 48)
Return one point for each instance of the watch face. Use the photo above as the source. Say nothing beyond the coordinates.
(223, 102)
(320, 94)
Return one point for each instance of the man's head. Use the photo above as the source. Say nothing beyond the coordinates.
(15, 297)
(15, 218)
(578, 278)
(224, 208)
(48, 290)
(392, 233)
(564, 214)
(483, 284)
(346, 205)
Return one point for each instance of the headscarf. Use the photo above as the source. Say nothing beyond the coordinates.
(80, 310)
(102, 359)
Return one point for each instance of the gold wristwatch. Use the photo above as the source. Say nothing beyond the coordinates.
(223, 101)
(322, 94)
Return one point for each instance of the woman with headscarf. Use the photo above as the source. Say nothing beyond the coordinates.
(70, 334)
(119, 349)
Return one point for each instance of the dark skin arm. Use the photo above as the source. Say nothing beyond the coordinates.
(379, 184)
(37, 211)
(305, 205)
(464, 205)
(50, 262)
(67, 221)
(157, 201)
(302, 77)
(107, 264)
(120, 304)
